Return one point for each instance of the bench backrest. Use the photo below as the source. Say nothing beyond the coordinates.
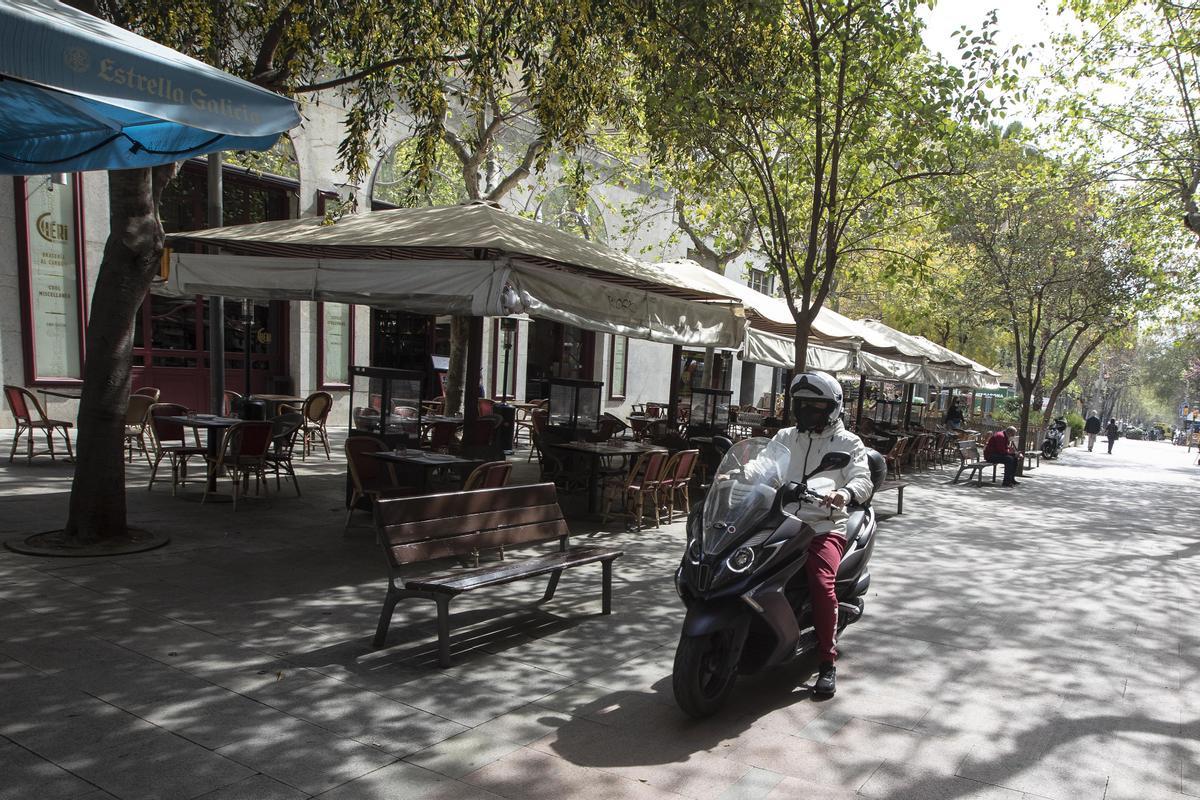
(421, 528)
(969, 451)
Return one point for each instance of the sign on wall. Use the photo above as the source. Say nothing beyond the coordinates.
(336, 339)
(52, 277)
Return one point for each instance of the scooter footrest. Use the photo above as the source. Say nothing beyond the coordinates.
(849, 613)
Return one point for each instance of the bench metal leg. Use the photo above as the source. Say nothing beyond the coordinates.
(606, 592)
(552, 586)
(899, 500)
(443, 626)
(385, 616)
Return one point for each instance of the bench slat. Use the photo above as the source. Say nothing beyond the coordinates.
(428, 549)
(456, 504)
(512, 570)
(407, 531)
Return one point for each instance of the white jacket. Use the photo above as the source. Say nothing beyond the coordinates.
(853, 480)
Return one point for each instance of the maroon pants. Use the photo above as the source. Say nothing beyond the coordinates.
(824, 556)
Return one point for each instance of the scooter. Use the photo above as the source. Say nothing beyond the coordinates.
(1053, 443)
(742, 576)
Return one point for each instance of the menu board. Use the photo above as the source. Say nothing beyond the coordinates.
(53, 277)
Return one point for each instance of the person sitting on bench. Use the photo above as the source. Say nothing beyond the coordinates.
(1001, 450)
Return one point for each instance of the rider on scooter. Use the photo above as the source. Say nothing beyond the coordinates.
(817, 410)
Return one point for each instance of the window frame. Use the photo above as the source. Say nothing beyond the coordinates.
(25, 280)
(321, 348)
(612, 350)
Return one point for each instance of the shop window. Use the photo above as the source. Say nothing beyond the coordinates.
(49, 222)
(335, 344)
(618, 367)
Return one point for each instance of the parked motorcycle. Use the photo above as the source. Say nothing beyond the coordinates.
(742, 577)
(1056, 434)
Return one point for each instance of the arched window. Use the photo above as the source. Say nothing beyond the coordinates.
(571, 210)
(395, 184)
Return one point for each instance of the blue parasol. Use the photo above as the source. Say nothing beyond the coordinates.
(78, 93)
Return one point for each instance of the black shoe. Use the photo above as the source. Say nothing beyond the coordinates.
(826, 683)
(1008, 484)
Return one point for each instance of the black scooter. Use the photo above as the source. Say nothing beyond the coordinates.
(742, 577)
(1055, 435)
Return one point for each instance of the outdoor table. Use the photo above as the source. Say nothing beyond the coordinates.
(64, 395)
(598, 450)
(273, 402)
(424, 460)
(215, 427)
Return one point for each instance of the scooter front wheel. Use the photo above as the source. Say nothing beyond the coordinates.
(705, 671)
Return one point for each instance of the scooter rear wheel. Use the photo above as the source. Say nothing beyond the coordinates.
(704, 673)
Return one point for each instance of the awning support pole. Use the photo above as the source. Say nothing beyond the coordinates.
(216, 304)
(862, 394)
(673, 392)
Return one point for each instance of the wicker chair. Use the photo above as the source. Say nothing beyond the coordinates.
(168, 440)
(136, 419)
(243, 453)
(643, 480)
(149, 391)
(676, 481)
(316, 414)
(895, 457)
(369, 476)
(285, 428)
(30, 416)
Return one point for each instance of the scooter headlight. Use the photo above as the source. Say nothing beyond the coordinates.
(741, 559)
(694, 551)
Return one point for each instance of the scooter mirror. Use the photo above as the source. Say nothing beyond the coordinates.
(830, 461)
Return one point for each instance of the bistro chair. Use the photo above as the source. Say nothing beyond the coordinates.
(284, 430)
(486, 407)
(478, 435)
(490, 475)
(643, 481)
(316, 414)
(149, 391)
(676, 481)
(231, 398)
(370, 477)
(29, 416)
(895, 457)
(440, 436)
(244, 448)
(168, 440)
(136, 415)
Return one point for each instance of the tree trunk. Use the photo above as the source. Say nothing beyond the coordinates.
(460, 330)
(131, 257)
(1026, 406)
(801, 342)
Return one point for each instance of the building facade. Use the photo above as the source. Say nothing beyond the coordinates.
(52, 234)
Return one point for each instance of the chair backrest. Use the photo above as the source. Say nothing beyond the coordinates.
(284, 429)
(685, 465)
(249, 439)
(149, 391)
(441, 434)
(138, 408)
(422, 528)
(968, 450)
(405, 412)
(317, 406)
(653, 411)
(165, 430)
(362, 467)
(480, 431)
(230, 396)
(486, 407)
(22, 404)
(490, 475)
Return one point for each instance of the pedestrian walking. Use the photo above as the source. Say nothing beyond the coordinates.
(1001, 448)
(1112, 432)
(1092, 428)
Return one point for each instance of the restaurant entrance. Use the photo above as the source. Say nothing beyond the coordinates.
(170, 338)
(557, 351)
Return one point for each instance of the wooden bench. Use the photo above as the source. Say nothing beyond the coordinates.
(898, 486)
(420, 529)
(971, 462)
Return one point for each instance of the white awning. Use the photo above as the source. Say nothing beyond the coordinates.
(773, 350)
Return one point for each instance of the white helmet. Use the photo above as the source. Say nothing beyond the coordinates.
(816, 401)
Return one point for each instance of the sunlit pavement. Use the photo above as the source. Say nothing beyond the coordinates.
(1032, 642)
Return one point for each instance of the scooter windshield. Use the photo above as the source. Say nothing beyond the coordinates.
(742, 491)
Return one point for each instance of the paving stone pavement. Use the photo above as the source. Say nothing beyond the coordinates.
(1028, 643)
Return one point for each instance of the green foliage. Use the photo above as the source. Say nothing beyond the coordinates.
(1076, 421)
